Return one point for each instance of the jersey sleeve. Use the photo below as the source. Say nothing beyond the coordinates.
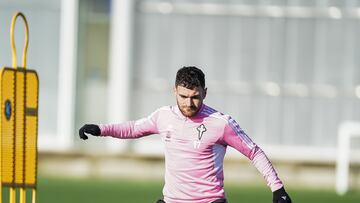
(132, 129)
(238, 139)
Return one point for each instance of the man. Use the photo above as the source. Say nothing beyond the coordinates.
(195, 137)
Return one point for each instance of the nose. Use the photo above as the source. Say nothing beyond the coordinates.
(189, 102)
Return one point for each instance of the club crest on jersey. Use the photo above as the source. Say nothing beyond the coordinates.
(168, 132)
(201, 129)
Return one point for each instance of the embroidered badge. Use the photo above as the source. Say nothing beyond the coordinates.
(201, 129)
(168, 132)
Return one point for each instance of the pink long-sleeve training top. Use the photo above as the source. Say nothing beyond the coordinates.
(194, 151)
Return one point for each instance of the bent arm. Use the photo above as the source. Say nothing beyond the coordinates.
(238, 139)
(264, 166)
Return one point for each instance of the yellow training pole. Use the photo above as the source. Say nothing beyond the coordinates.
(22, 195)
(14, 64)
(12, 195)
(33, 195)
(1, 71)
(13, 48)
(0, 168)
(0, 173)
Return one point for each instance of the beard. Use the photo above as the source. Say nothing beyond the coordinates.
(188, 111)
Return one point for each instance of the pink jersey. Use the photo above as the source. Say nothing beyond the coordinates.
(194, 151)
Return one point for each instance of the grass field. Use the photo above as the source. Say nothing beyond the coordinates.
(56, 190)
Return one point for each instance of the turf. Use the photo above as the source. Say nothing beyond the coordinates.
(60, 190)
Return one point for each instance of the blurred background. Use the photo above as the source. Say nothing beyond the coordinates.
(287, 70)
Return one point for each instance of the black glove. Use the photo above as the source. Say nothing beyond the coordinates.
(280, 196)
(89, 129)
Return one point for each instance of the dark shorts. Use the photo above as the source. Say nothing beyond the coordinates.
(216, 201)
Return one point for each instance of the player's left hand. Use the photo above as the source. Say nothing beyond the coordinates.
(280, 196)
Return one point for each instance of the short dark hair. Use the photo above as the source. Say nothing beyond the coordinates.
(190, 77)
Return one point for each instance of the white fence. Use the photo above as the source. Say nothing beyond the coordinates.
(347, 131)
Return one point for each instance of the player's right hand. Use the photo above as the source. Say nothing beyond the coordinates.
(89, 129)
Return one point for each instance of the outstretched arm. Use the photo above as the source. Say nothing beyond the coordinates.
(126, 130)
(130, 130)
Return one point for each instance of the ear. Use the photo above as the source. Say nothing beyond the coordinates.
(205, 92)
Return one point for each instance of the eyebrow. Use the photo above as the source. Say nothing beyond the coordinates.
(181, 95)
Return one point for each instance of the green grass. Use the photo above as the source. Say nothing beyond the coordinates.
(57, 190)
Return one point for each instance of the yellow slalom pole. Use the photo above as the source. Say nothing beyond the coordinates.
(13, 48)
(0, 176)
(22, 195)
(12, 195)
(33, 195)
(14, 64)
(1, 189)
